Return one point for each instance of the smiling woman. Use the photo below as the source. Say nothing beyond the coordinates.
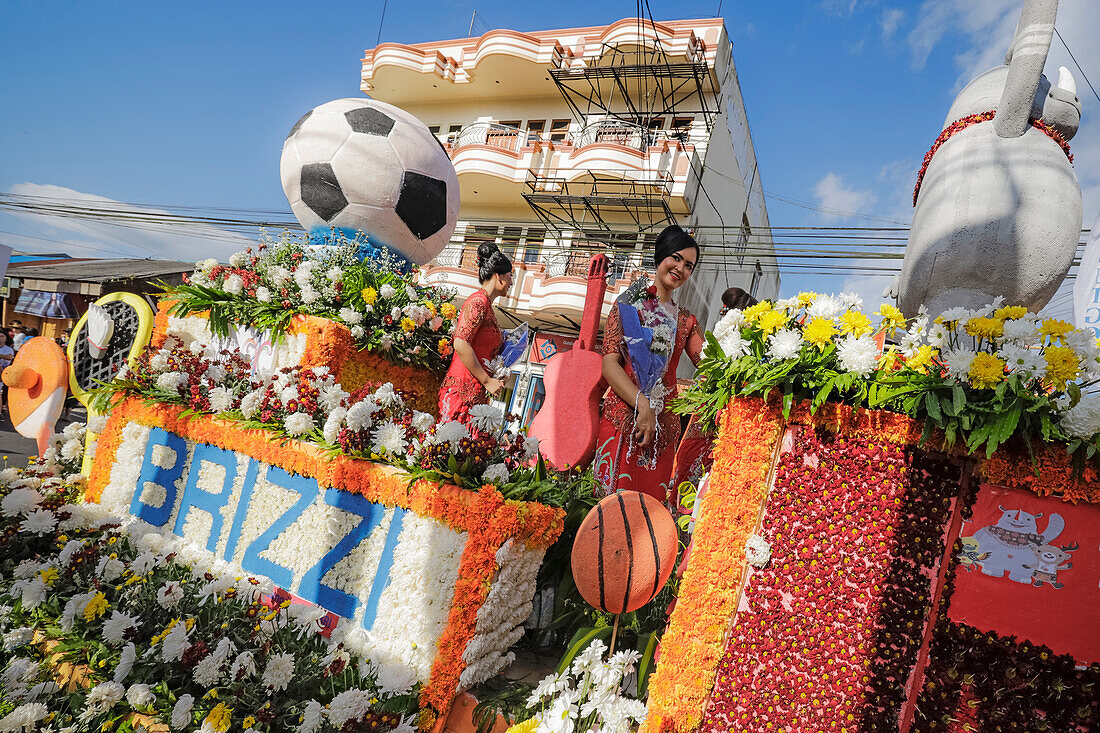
(645, 335)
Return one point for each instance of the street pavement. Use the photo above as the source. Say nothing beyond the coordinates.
(15, 449)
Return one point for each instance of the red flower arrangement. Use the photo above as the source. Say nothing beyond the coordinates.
(964, 122)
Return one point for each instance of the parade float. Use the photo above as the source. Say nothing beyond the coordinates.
(265, 527)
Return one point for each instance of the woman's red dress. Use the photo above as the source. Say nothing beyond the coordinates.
(477, 326)
(615, 471)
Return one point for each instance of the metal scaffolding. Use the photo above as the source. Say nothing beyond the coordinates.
(599, 204)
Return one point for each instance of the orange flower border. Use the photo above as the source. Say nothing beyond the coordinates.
(692, 646)
(744, 453)
(485, 515)
(331, 344)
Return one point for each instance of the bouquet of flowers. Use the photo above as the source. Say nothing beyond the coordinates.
(982, 375)
(513, 344)
(586, 697)
(383, 307)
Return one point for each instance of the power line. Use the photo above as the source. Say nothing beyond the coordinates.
(1077, 65)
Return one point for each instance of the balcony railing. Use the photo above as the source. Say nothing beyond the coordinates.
(492, 134)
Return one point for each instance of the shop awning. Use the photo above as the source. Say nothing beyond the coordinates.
(46, 305)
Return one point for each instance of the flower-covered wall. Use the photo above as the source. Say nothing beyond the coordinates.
(842, 578)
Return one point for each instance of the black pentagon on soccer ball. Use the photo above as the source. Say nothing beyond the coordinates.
(369, 120)
(422, 204)
(298, 124)
(321, 190)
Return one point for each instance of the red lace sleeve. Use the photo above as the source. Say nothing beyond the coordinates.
(613, 333)
(474, 312)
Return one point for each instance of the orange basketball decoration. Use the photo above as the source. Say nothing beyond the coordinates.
(624, 552)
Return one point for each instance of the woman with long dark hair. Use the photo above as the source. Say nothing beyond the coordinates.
(643, 341)
(477, 339)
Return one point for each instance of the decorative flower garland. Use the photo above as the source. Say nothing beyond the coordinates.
(711, 585)
(964, 122)
(489, 519)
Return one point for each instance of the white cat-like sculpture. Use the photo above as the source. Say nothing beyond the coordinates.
(999, 209)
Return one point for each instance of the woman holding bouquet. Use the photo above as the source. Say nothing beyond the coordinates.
(644, 338)
(477, 339)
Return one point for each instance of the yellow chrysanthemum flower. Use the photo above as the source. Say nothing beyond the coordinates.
(444, 346)
(922, 359)
(1062, 366)
(527, 726)
(96, 607)
(892, 317)
(1055, 328)
(819, 332)
(985, 370)
(755, 311)
(772, 320)
(806, 299)
(49, 576)
(369, 295)
(219, 718)
(1010, 312)
(985, 328)
(854, 322)
(248, 722)
(431, 307)
(448, 310)
(408, 325)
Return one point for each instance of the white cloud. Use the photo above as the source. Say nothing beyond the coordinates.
(840, 202)
(891, 19)
(90, 237)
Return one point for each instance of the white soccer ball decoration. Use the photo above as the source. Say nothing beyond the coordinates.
(360, 165)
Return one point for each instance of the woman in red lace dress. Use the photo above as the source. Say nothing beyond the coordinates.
(637, 443)
(477, 339)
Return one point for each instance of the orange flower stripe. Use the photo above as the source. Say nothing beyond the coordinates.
(696, 635)
(489, 519)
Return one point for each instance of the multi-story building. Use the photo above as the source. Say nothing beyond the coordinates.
(568, 142)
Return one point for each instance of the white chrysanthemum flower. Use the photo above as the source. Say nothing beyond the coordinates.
(8, 475)
(1024, 330)
(450, 432)
(109, 568)
(309, 295)
(205, 266)
(20, 501)
(910, 343)
(214, 373)
(139, 695)
(359, 415)
(958, 362)
(857, 354)
(1025, 361)
(732, 344)
(115, 627)
(851, 300)
(39, 522)
(24, 718)
(955, 314)
(387, 396)
(170, 594)
(1083, 419)
(263, 294)
(357, 332)
(390, 438)
(288, 394)
(175, 643)
(334, 274)
(422, 421)
(279, 671)
(331, 397)
(299, 423)
(72, 449)
(733, 320)
(757, 551)
(238, 259)
(350, 316)
(486, 417)
(784, 344)
(233, 284)
(181, 712)
(496, 474)
(243, 666)
(348, 705)
(1084, 343)
(387, 291)
(937, 334)
(250, 403)
(333, 423)
(102, 698)
(24, 634)
(825, 306)
(786, 304)
(171, 381)
(386, 342)
(312, 716)
(221, 399)
(530, 448)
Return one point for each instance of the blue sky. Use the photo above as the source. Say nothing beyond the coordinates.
(188, 104)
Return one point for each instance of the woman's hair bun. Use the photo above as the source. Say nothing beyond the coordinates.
(485, 250)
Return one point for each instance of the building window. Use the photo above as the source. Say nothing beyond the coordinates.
(532, 244)
(742, 245)
(559, 130)
(681, 128)
(509, 241)
(434, 129)
(757, 276)
(535, 128)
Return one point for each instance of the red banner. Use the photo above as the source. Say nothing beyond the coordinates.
(1030, 568)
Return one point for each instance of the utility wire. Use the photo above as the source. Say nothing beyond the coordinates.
(1077, 65)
